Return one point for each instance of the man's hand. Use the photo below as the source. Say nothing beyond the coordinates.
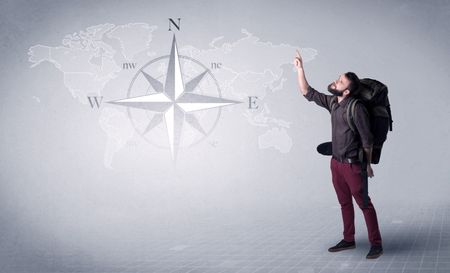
(298, 60)
(369, 171)
(302, 83)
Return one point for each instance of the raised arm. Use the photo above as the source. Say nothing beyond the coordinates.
(308, 92)
(302, 82)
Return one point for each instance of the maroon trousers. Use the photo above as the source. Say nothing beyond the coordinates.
(347, 182)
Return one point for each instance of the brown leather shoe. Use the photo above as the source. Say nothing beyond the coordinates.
(342, 245)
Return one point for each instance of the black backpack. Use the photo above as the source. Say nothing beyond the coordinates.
(374, 95)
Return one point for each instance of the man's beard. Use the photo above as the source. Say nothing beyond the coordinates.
(334, 91)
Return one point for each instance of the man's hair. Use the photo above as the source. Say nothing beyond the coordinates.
(354, 83)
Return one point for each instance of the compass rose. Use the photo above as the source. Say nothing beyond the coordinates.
(171, 101)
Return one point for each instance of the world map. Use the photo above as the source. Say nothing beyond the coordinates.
(95, 62)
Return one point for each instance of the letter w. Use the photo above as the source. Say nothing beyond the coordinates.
(95, 101)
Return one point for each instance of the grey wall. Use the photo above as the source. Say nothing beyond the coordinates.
(56, 192)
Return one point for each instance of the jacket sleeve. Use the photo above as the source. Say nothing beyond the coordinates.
(319, 98)
(362, 124)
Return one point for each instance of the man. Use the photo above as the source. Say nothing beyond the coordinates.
(345, 165)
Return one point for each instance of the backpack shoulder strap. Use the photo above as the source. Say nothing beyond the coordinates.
(351, 113)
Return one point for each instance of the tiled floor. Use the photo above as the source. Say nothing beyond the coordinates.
(415, 240)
